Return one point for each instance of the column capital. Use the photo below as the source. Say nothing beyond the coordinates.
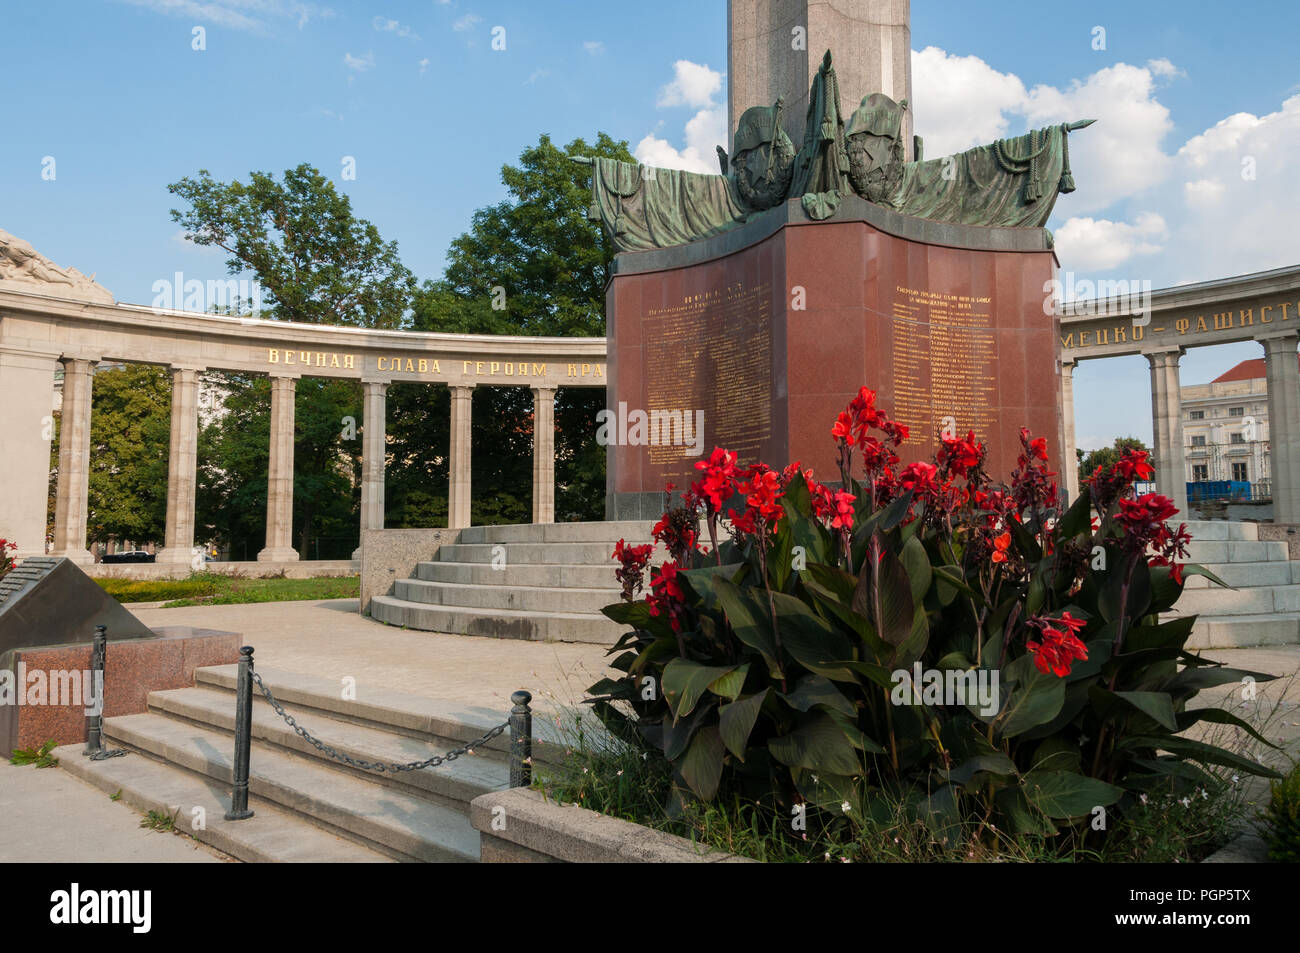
(460, 387)
(547, 389)
(1163, 355)
(196, 368)
(291, 376)
(1279, 337)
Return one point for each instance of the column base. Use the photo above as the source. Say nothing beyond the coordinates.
(285, 555)
(81, 557)
(177, 557)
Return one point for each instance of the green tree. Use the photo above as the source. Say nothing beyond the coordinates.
(1106, 456)
(315, 261)
(130, 437)
(531, 264)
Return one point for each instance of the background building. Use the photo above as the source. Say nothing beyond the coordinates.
(1226, 434)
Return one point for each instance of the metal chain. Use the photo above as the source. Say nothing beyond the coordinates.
(380, 766)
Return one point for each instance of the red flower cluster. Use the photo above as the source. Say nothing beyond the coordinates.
(763, 489)
(631, 574)
(1109, 485)
(1032, 485)
(1060, 645)
(720, 479)
(677, 529)
(834, 509)
(666, 595)
(1143, 519)
(1000, 546)
(961, 456)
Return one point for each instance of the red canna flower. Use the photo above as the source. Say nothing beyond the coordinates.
(1000, 548)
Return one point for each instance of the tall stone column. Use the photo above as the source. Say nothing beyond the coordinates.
(1069, 463)
(1282, 374)
(374, 449)
(543, 454)
(279, 490)
(74, 463)
(458, 470)
(182, 467)
(26, 429)
(1167, 426)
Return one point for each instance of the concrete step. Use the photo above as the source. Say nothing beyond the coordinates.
(515, 574)
(1235, 551)
(585, 554)
(426, 720)
(1247, 574)
(271, 835)
(381, 818)
(1221, 530)
(453, 784)
(1250, 600)
(524, 598)
(634, 531)
(497, 623)
(1244, 631)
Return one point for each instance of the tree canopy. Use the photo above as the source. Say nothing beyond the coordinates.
(1106, 456)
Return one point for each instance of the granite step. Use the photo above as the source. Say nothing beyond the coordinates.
(1221, 530)
(513, 554)
(631, 530)
(426, 720)
(1247, 600)
(454, 783)
(1245, 631)
(271, 835)
(1235, 551)
(524, 598)
(551, 576)
(1272, 573)
(384, 819)
(497, 623)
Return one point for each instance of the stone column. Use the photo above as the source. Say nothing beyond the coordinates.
(1282, 374)
(543, 454)
(182, 467)
(279, 490)
(1167, 426)
(26, 429)
(1069, 463)
(374, 447)
(458, 469)
(74, 463)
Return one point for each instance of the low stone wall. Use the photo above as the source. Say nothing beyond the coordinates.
(1288, 533)
(388, 555)
(294, 569)
(132, 669)
(521, 826)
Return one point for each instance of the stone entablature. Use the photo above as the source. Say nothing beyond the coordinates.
(74, 329)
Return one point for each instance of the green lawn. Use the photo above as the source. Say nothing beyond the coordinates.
(204, 589)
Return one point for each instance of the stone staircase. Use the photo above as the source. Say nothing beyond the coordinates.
(544, 582)
(308, 807)
(1263, 608)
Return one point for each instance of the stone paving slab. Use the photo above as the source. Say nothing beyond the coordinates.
(330, 639)
(49, 816)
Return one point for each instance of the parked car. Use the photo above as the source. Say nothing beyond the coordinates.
(134, 556)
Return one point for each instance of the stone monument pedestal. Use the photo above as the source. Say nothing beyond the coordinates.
(771, 328)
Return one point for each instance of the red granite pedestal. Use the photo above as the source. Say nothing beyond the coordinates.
(771, 329)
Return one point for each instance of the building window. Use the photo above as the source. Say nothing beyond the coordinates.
(1197, 415)
(1236, 411)
(1198, 440)
(1237, 438)
(1200, 472)
(1239, 472)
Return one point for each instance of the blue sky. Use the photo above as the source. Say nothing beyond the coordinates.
(414, 92)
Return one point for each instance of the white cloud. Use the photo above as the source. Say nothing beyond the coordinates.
(696, 86)
(535, 75)
(962, 102)
(1164, 69)
(693, 85)
(253, 16)
(385, 25)
(359, 64)
(466, 22)
(1092, 245)
(594, 47)
(424, 66)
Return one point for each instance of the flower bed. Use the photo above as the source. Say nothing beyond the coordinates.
(919, 644)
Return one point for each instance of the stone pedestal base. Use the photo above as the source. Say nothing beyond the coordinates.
(765, 333)
(277, 555)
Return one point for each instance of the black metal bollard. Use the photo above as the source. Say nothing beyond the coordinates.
(243, 736)
(521, 740)
(95, 720)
